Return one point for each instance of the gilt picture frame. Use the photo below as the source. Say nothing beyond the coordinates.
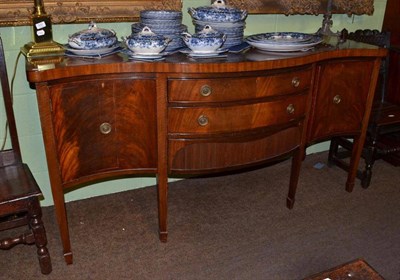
(18, 12)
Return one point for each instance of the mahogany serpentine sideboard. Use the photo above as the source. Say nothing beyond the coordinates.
(113, 117)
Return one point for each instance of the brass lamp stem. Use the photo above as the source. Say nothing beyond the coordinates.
(39, 8)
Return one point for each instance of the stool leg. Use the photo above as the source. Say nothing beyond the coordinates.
(39, 232)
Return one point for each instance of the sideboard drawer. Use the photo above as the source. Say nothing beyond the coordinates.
(194, 155)
(240, 88)
(203, 120)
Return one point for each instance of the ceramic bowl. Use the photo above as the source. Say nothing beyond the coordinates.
(92, 38)
(207, 40)
(218, 12)
(146, 42)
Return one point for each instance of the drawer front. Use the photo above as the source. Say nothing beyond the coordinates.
(241, 88)
(199, 120)
(193, 155)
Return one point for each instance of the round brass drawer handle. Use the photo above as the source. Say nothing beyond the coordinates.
(205, 90)
(290, 109)
(337, 99)
(105, 128)
(202, 120)
(295, 82)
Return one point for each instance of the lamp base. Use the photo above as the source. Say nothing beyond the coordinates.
(44, 49)
(325, 30)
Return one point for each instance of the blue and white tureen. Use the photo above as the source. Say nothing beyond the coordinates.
(217, 12)
(146, 42)
(93, 38)
(207, 40)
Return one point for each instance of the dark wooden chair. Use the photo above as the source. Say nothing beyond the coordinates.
(19, 192)
(384, 123)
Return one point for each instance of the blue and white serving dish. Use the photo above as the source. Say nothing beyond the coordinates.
(146, 42)
(218, 12)
(93, 38)
(207, 40)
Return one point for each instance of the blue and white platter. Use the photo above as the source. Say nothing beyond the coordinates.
(281, 38)
(284, 41)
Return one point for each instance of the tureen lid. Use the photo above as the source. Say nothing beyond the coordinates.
(146, 33)
(208, 31)
(93, 33)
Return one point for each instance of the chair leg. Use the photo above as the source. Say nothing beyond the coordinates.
(370, 156)
(369, 162)
(333, 149)
(39, 232)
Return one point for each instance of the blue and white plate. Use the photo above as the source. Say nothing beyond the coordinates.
(145, 56)
(92, 52)
(285, 47)
(191, 53)
(281, 38)
(161, 14)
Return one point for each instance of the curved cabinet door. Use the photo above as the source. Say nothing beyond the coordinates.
(339, 98)
(103, 126)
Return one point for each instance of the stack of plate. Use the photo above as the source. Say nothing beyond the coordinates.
(163, 22)
(223, 18)
(284, 41)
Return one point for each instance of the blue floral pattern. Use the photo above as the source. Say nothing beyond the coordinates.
(206, 40)
(146, 41)
(218, 12)
(93, 38)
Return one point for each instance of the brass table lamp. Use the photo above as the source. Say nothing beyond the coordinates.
(43, 44)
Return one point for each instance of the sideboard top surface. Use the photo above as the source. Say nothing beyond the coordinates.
(48, 69)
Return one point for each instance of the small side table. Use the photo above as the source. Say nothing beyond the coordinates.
(358, 269)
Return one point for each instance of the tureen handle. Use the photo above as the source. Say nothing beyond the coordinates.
(192, 11)
(76, 41)
(219, 3)
(92, 25)
(207, 29)
(244, 15)
(186, 36)
(146, 30)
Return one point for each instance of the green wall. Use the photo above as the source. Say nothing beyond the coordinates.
(25, 104)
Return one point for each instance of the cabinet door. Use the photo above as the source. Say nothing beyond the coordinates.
(103, 126)
(339, 99)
